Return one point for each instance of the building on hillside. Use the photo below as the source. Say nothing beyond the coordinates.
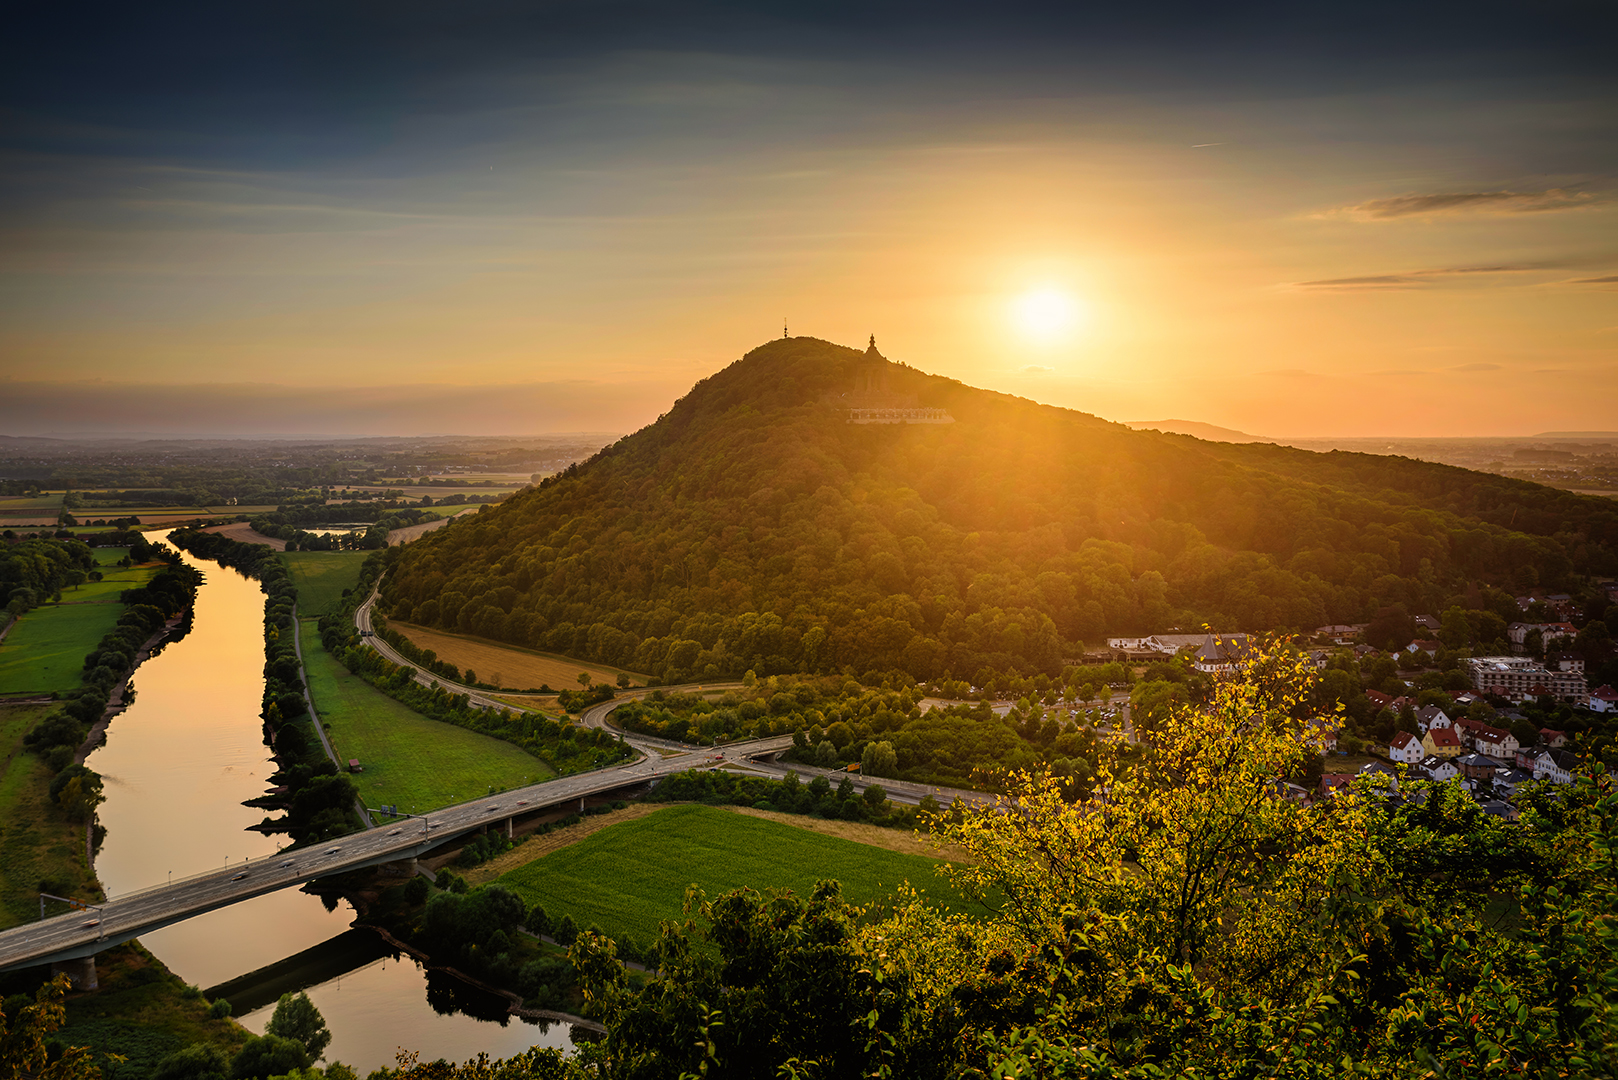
(1508, 781)
(1387, 778)
(1495, 808)
(1331, 783)
(1424, 645)
(1517, 633)
(1439, 769)
(1221, 653)
(1520, 677)
(1406, 749)
(1557, 766)
(1495, 742)
(1553, 738)
(1430, 716)
(873, 400)
(1441, 742)
(1476, 766)
(1604, 699)
(1527, 757)
(1428, 622)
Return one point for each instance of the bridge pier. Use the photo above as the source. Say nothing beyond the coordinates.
(81, 973)
(508, 827)
(405, 868)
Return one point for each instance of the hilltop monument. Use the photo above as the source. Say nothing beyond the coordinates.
(873, 399)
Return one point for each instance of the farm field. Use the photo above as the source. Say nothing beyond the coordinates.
(105, 556)
(114, 580)
(630, 877)
(45, 651)
(321, 577)
(36, 845)
(507, 666)
(410, 760)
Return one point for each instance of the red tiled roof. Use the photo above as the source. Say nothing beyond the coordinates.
(1443, 736)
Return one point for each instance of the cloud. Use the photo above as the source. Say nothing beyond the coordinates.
(1035, 369)
(1477, 367)
(1430, 278)
(1610, 279)
(1466, 202)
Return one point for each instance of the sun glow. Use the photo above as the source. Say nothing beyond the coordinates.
(1046, 314)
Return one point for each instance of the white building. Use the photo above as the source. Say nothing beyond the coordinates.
(1519, 677)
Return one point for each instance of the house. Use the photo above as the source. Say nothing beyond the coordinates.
(1604, 700)
(1373, 770)
(1527, 756)
(1432, 716)
(1496, 808)
(1331, 783)
(1424, 645)
(1428, 622)
(1442, 742)
(1476, 766)
(1321, 740)
(1406, 749)
(1553, 738)
(1557, 766)
(1221, 653)
(1507, 782)
(1385, 701)
(1495, 742)
(1439, 769)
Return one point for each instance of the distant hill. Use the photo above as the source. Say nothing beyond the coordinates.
(755, 527)
(1197, 430)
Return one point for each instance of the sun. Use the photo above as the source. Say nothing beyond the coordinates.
(1046, 314)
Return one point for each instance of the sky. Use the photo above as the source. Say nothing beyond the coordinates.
(494, 216)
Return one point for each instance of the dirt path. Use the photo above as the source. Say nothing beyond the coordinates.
(410, 532)
(243, 532)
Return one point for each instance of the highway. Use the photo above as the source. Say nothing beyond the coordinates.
(82, 933)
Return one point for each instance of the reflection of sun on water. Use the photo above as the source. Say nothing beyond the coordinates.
(1046, 315)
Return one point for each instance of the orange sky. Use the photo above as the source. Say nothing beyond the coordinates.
(1315, 260)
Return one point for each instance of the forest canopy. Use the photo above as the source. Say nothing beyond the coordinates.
(755, 527)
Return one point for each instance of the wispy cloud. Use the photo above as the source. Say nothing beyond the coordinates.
(1466, 202)
(1477, 367)
(1434, 277)
(1609, 279)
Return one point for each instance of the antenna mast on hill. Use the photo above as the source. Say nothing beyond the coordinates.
(783, 326)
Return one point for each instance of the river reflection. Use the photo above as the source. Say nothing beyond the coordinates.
(177, 766)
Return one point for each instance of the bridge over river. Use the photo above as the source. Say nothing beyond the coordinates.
(84, 933)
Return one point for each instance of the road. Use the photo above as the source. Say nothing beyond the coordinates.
(123, 917)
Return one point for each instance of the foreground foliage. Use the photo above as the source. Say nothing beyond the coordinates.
(1183, 921)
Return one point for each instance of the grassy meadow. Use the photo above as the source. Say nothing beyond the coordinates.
(630, 877)
(321, 577)
(114, 580)
(45, 650)
(36, 844)
(408, 759)
(507, 666)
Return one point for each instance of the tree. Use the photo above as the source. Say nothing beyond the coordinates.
(268, 1055)
(584, 679)
(199, 1061)
(24, 1038)
(296, 1017)
(879, 759)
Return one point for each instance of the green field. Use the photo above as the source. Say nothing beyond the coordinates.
(628, 878)
(113, 582)
(321, 577)
(409, 760)
(36, 844)
(45, 651)
(106, 556)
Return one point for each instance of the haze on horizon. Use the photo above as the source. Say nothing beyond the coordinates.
(512, 218)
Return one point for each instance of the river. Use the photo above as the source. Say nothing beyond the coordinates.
(177, 766)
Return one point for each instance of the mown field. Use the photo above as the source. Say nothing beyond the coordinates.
(512, 668)
(45, 651)
(321, 577)
(114, 581)
(632, 876)
(36, 844)
(409, 760)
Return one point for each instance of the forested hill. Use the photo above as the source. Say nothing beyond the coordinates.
(754, 526)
